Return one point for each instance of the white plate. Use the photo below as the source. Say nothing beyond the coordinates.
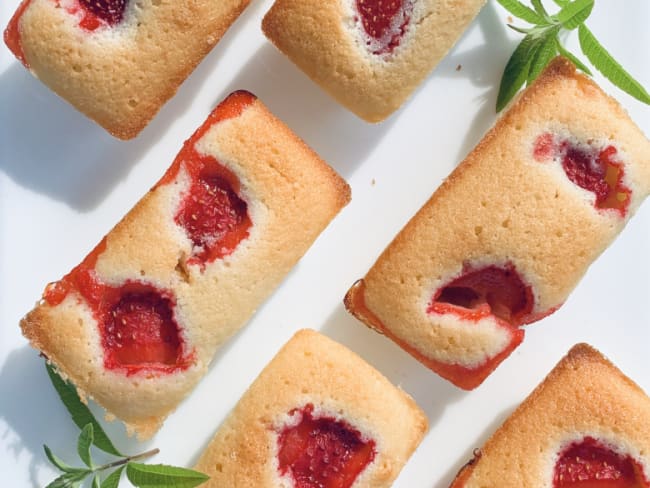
(64, 183)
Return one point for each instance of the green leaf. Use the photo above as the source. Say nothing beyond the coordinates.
(59, 463)
(562, 3)
(113, 479)
(69, 480)
(520, 10)
(575, 13)
(84, 443)
(609, 67)
(162, 476)
(96, 482)
(539, 8)
(570, 56)
(81, 414)
(546, 51)
(516, 71)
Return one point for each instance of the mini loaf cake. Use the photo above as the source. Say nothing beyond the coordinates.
(368, 54)
(510, 233)
(317, 416)
(586, 426)
(136, 324)
(117, 61)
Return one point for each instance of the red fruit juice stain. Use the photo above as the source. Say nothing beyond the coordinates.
(598, 171)
(322, 452)
(385, 22)
(491, 290)
(591, 464)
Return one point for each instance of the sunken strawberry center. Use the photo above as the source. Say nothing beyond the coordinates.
(213, 215)
(140, 330)
(492, 290)
(108, 11)
(322, 452)
(591, 464)
(597, 171)
(384, 22)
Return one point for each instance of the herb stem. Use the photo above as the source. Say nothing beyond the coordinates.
(128, 459)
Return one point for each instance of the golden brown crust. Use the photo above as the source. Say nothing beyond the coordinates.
(321, 38)
(584, 395)
(502, 206)
(292, 195)
(311, 368)
(121, 76)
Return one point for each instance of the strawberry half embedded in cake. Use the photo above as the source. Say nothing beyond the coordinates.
(496, 291)
(109, 11)
(103, 56)
(213, 215)
(585, 426)
(598, 171)
(384, 22)
(509, 234)
(317, 416)
(591, 464)
(320, 451)
(136, 324)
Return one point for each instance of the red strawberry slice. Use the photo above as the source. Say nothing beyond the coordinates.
(139, 330)
(385, 22)
(596, 171)
(110, 11)
(321, 452)
(591, 464)
(213, 215)
(491, 290)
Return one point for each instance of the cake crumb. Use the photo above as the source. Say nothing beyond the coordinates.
(372, 183)
(510, 20)
(459, 67)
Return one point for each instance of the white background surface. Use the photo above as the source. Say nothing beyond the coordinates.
(64, 183)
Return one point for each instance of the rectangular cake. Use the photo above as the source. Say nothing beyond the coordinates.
(511, 231)
(136, 324)
(316, 416)
(370, 55)
(585, 426)
(117, 61)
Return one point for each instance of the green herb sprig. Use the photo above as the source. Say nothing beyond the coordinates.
(541, 43)
(92, 434)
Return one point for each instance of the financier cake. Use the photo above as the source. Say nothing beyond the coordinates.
(586, 426)
(317, 416)
(117, 61)
(370, 55)
(136, 324)
(511, 231)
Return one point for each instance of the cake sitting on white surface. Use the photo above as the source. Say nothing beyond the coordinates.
(586, 425)
(117, 61)
(136, 324)
(316, 416)
(370, 55)
(511, 231)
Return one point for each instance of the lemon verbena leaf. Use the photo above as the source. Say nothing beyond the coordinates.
(609, 67)
(546, 51)
(575, 13)
(523, 12)
(515, 73)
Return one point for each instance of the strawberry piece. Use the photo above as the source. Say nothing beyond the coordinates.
(591, 464)
(596, 171)
(214, 217)
(478, 293)
(322, 452)
(385, 22)
(139, 330)
(110, 11)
